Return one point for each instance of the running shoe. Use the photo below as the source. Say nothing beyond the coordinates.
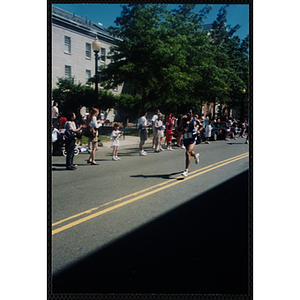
(197, 158)
(185, 173)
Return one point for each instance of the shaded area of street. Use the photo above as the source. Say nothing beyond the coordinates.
(200, 247)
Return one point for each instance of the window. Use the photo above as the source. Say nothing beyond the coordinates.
(67, 44)
(103, 54)
(68, 71)
(88, 50)
(87, 75)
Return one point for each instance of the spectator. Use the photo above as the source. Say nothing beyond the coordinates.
(227, 131)
(143, 124)
(208, 130)
(234, 129)
(55, 115)
(61, 122)
(78, 122)
(93, 122)
(247, 132)
(159, 132)
(154, 118)
(71, 130)
(179, 134)
(116, 134)
(199, 128)
(243, 128)
(169, 131)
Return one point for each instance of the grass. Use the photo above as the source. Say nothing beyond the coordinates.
(103, 138)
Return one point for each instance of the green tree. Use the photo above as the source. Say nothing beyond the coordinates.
(127, 106)
(231, 60)
(131, 59)
(152, 57)
(71, 96)
(167, 58)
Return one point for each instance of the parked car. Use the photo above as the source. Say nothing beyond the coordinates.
(218, 131)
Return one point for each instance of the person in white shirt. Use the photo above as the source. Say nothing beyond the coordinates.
(154, 118)
(116, 134)
(143, 124)
(208, 130)
(159, 127)
(55, 115)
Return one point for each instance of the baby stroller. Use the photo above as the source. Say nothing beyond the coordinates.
(58, 141)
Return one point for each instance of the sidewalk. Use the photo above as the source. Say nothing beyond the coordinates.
(128, 141)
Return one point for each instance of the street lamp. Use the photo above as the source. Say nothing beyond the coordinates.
(96, 48)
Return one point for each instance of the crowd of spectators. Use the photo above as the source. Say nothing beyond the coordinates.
(167, 129)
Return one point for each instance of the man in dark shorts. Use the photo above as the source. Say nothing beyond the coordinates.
(189, 130)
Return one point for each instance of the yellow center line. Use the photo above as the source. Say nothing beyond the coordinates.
(144, 193)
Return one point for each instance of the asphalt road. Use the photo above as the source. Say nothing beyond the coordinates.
(135, 226)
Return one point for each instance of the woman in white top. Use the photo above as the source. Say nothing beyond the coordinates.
(93, 122)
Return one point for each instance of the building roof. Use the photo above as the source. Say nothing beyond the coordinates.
(86, 26)
(67, 19)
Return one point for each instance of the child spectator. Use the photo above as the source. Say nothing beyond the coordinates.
(115, 141)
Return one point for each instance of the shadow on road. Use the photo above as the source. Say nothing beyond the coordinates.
(200, 247)
(163, 176)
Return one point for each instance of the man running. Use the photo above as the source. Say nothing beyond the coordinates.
(189, 130)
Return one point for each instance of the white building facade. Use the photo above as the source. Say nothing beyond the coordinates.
(72, 53)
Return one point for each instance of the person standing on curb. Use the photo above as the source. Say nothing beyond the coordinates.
(55, 115)
(169, 131)
(93, 122)
(70, 132)
(143, 124)
(187, 126)
(116, 134)
(154, 118)
(208, 130)
(159, 132)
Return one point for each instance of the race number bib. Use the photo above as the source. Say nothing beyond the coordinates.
(188, 135)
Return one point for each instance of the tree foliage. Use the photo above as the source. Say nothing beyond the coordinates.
(165, 60)
(71, 96)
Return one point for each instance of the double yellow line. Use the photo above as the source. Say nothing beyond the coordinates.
(137, 196)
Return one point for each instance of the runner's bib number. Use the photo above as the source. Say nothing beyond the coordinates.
(188, 135)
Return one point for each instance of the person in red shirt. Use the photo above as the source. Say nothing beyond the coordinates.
(62, 122)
